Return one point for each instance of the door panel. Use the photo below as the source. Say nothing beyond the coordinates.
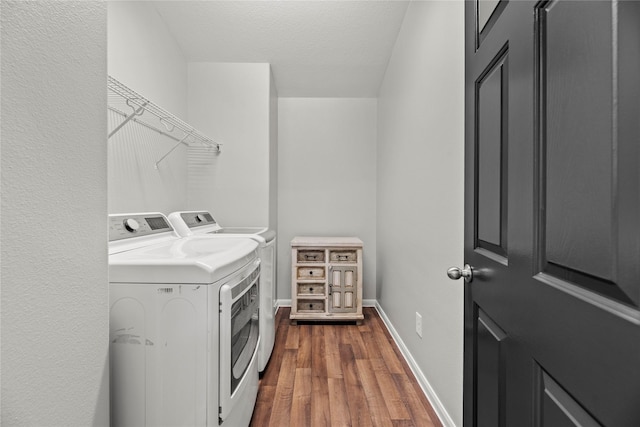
(556, 408)
(628, 153)
(578, 140)
(552, 214)
(491, 156)
(575, 131)
(490, 373)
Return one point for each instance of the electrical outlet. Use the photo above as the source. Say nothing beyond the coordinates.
(418, 324)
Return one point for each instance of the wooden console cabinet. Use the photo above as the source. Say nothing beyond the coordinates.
(326, 279)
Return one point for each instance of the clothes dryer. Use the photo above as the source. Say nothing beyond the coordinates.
(190, 223)
(184, 325)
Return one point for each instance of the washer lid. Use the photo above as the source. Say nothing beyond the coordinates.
(261, 234)
(189, 223)
(195, 259)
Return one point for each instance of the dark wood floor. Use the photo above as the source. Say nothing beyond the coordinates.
(339, 374)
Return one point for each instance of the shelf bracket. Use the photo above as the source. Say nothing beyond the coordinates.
(174, 147)
(137, 112)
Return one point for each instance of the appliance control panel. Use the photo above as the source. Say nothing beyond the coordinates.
(197, 219)
(127, 226)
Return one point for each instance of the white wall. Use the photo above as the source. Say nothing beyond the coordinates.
(55, 313)
(273, 154)
(326, 177)
(420, 193)
(143, 55)
(231, 104)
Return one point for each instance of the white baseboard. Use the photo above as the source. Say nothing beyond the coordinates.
(431, 395)
(369, 303)
(283, 303)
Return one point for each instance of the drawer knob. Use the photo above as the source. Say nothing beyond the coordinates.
(310, 289)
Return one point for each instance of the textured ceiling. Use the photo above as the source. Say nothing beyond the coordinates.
(315, 48)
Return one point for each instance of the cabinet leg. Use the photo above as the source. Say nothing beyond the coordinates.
(358, 322)
(294, 322)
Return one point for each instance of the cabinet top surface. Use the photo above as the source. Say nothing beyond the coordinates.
(326, 241)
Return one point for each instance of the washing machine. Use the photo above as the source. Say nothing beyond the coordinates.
(183, 326)
(190, 223)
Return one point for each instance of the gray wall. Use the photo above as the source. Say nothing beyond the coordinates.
(230, 102)
(326, 177)
(54, 202)
(420, 194)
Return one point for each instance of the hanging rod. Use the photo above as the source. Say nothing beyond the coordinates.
(140, 104)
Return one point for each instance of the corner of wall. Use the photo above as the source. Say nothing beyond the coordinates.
(55, 286)
(273, 152)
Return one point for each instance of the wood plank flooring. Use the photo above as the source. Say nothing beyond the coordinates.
(339, 374)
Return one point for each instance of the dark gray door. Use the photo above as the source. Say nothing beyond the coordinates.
(552, 213)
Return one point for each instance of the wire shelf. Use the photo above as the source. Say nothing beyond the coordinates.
(139, 105)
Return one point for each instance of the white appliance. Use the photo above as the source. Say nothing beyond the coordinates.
(190, 223)
(183, 326)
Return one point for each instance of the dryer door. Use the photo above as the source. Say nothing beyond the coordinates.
(239, 339)
(244, 333)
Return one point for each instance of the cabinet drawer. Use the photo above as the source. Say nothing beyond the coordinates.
(310, 289)
(310, 255)
(343, 256)
(310, 306)
(310, 272)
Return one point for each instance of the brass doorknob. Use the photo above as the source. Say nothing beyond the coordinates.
(455, 273)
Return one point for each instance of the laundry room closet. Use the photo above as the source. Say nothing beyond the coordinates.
(379, 158)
